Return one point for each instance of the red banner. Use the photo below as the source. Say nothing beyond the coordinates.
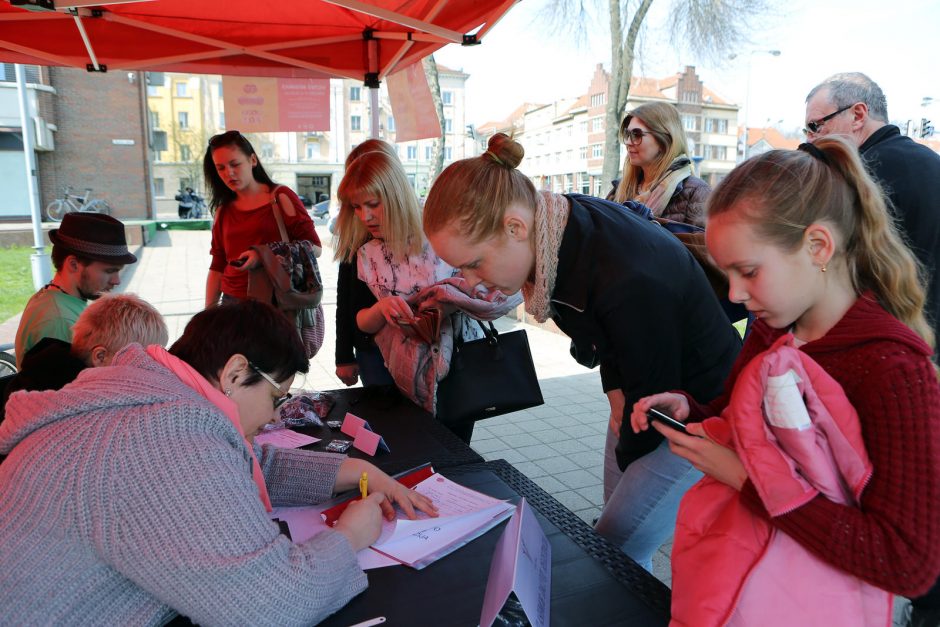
(412, 105)
(263, 105)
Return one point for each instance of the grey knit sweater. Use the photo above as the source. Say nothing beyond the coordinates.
(127, 498)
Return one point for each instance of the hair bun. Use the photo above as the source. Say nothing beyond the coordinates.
(506, 151)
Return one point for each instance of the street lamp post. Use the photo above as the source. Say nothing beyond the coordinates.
(747, 95)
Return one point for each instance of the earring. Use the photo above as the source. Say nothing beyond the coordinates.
(228, 391)
(823, 269)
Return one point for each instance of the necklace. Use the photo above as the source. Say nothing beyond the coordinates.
(51, 284)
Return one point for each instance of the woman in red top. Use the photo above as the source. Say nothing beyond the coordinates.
(810, 248)
(243, 202)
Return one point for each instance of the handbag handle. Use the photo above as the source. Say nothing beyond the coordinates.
(276, 209)
(491, 334)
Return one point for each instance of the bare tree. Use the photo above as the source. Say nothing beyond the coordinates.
(709, 27)
(190, 145)
(434, 82)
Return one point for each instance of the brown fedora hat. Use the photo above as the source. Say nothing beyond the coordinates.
(93, 235)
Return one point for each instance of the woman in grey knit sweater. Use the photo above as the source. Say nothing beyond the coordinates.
(134, 493)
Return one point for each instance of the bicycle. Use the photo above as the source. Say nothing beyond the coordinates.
(57, 209)
(7, 361)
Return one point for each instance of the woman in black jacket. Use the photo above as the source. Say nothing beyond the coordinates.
(630, 296)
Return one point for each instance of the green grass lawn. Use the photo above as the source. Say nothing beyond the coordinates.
(16, 277)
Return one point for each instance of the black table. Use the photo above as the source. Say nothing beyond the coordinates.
(414, 436)
(593, 583)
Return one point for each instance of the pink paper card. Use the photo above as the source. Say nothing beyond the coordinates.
(369, 442)
(352, 424)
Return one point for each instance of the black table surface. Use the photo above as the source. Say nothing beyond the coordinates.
(593, 583)
(413, 435)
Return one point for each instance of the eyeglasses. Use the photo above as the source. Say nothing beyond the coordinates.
(634, 135)
(816, 125)
(281, 399)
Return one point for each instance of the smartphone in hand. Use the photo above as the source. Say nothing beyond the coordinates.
(654, 414)
(238, 263)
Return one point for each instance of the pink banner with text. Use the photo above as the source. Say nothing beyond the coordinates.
(262, 105)
(412, 105)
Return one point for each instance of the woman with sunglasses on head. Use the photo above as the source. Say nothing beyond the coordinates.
(657, 171)
(136, 493)
(243, 199)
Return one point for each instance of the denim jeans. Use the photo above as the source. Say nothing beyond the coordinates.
(641, 513)
(372, 370)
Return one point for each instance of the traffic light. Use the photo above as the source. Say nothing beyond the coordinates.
(926, 128)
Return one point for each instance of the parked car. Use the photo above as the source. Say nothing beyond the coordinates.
(321, 209)
(306, 201)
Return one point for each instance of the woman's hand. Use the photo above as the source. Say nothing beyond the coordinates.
(676, 405)
(408, 500)
(361, 521)
(712, 458)
(395, 310)
(252, 260)
(348, 373)
(617, 402)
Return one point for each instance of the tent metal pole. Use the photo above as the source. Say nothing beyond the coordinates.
(91, 51)
(39, 260)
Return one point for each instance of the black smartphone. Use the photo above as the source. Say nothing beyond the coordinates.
(238, 263)
(654, 414)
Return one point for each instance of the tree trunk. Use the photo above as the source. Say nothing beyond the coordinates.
(437, 154)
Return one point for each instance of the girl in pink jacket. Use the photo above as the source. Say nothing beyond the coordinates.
(810, 249)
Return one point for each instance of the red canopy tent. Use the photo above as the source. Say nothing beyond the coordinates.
(365, 40)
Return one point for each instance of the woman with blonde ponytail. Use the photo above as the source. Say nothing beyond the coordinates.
(810, 249)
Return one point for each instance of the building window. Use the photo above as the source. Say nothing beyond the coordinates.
(355, 93)
(597, 150)
(185, 153)
(719, 153)
(427, 153)
(582, 127)
(154, 119)
(182, 89)
(598, 100)
(412, 153)
(597, 124)
(447, 97)
(582, 153)
(709, 125)
(448, 153)
(721, 126)
(391, 124)
(558, 157)
(690, 122)
(355, 123)
(585, 183)
(221, 119)
(267, 151)
(159, 188)
(570, 154)
(311, 150)
(448, 125)
(689, 96)
(183, 119)
(219, 89)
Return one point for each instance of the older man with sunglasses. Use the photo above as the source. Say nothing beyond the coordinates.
(852, 104)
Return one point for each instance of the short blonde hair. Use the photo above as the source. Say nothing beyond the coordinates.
(662, 119)
(114, 321)
(379, 173)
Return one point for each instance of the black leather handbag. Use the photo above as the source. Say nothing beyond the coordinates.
(488, 377)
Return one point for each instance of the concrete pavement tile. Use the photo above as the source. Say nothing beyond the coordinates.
(558, 421)
(510, 455)
(556, 464)
(545, 411)
(520, 440)
(550, 484)
(662, 568)
(551, 435)
(594, 493)
(503, 428)
(537, 452)
(577, 479)
(588, 515)
(572, 500)
(530, 470)
(532, 425)
(569, 447)
(576, 431)
(487, 445)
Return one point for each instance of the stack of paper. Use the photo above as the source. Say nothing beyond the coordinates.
(464, 514)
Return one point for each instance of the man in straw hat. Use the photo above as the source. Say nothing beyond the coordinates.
(88, 252)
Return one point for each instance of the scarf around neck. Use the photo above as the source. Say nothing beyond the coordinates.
(551, 216)
(659, 194)
(188, 375)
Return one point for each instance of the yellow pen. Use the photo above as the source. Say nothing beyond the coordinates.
(364, 485)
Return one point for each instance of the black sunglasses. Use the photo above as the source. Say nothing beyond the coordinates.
(635, 135)
(816, 125)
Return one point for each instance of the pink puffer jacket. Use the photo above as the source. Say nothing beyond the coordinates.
(798, 437)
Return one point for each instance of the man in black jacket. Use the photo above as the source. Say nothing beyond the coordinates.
(852, 104)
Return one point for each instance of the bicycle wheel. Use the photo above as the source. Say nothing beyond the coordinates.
(57, 209)
(98, 206)
(7, 364)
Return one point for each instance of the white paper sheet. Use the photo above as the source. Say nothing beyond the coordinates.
(285, 438)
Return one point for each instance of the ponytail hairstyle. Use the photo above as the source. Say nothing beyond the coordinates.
(381, 174)
(782, 192)
(662, 119)
(473, 194)
(219, 192)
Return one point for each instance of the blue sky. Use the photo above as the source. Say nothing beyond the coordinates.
(897, 44)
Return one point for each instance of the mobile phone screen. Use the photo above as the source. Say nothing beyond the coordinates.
(654, 414)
